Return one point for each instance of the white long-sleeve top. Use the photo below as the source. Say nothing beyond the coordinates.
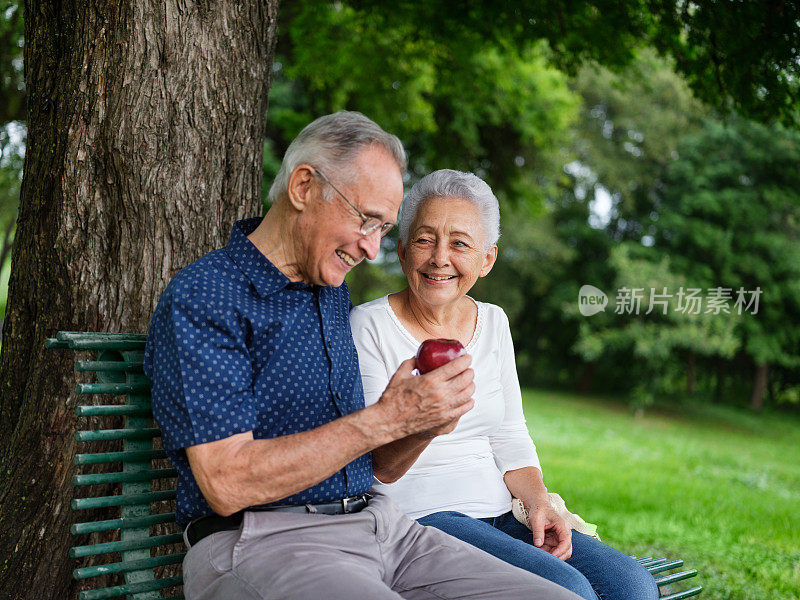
(462, 470)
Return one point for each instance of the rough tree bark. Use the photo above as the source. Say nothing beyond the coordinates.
(145, 138)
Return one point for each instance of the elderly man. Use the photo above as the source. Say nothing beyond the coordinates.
(257, 391)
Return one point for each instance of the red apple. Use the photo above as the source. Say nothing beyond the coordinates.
(432, 354)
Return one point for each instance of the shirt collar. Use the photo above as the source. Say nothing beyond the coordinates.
(265, 277)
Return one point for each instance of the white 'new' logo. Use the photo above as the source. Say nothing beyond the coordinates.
(591, 300)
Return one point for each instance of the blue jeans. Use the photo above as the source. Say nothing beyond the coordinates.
(594, 570)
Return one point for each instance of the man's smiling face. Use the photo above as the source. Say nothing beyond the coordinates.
(333, 242)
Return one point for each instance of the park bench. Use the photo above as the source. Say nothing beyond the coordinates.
(133, 560)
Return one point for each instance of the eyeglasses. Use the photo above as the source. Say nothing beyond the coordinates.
(369, 225)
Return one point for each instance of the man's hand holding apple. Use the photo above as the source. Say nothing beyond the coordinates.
(432, 403)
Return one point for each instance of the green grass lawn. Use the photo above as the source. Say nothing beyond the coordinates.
(716, 486)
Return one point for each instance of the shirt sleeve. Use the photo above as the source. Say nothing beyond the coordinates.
(202, 373)
(371, 362)
(511, 443)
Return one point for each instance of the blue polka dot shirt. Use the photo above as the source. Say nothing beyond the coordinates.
(234, 346)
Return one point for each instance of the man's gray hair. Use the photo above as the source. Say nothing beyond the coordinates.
(447, 183)
(331, 143)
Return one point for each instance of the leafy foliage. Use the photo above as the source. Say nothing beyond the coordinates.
(632, 123)
(731, 211)
(12, 149)
(12, 132)
(630, 126)
(735, 55)
(481, 107)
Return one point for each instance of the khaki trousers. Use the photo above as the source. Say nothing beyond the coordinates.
(378, 553)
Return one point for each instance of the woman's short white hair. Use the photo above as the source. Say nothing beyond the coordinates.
(331, 143)
(447, 183)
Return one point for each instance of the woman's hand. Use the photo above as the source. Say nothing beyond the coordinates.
(550, 532)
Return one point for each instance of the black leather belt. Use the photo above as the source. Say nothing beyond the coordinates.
(205, 526)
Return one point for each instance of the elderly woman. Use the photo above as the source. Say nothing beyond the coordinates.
(462, 478)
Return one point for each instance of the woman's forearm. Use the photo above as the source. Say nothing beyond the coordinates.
(527, 485)
(391, 461)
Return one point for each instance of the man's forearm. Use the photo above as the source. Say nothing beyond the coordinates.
(257, 471)
(239, 471)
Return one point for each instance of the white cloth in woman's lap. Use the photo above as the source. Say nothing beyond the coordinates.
(463, 470)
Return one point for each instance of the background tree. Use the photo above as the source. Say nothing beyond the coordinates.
(724, 214)
(631, 122)
(651, 342)
(480, 105)
(730, 216)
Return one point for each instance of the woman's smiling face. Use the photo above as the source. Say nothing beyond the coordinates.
(446, 251)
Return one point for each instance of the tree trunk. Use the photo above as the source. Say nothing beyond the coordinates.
(145, 139)
(691, 377)
(586, 378)
(718, 381)
(759, 387)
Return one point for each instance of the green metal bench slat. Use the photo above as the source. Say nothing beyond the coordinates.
(79, 340)
(117, 434)
(672, 564)
(106, 547)
(108, 365)
(687, 593)
(124, 567)
(122, 500)
(656, 564)
(107, 457)
(132, 588)
(112, 388)
(673, 577)
(123, 477)
(123, 523)
(121, 344)
(51, 343)
(144, 410)
(99, 335)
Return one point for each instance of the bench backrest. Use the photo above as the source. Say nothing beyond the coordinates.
(119, 377)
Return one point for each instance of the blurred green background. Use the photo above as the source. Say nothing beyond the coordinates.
(677, 433)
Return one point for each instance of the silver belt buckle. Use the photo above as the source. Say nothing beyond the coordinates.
(346, 504)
